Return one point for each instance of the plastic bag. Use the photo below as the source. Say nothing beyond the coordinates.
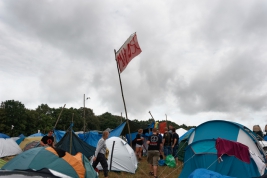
(170, 161)
(161, 162)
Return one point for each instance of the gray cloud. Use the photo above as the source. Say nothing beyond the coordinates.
(200, 60)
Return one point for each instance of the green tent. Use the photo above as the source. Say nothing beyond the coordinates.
(53, 159)
(183, 143)
(2, 163)
(72, 144)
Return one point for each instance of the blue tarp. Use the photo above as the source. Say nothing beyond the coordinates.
(204, 173)
(92, 137)
(59, 134)
(4, 135)
(133, 135)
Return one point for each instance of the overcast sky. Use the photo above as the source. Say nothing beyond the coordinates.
(200, 60)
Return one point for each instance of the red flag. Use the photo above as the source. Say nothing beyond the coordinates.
(128, 51)
(162, 127)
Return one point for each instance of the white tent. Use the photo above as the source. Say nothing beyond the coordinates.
(180, 131)
(123, 158)
(8, 147)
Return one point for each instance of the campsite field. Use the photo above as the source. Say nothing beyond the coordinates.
(141, 172)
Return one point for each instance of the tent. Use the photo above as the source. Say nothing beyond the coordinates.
(201, 151)
(121, 156)
(4, 135)
(28, 140)
(2, 163)
(180, 131)
(53, 159)
(183, 142)
(8, 147)
(92, 137)
(37, 135)
(203, 154)
(72, 144)
(31, 145)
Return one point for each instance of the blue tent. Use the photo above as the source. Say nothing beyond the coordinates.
(203, 154)
(201, 151)
(92, 137)
(4, 135)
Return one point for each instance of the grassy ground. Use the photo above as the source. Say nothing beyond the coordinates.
(141, 172)
(8, 158)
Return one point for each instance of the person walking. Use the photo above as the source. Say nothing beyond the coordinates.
(100, 154)
(139, 144)
(154, 143)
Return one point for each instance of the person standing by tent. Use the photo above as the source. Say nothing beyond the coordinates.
(166, 142)
(175, 145)
(48, 140)
(100, 154)
(139, 144)
(154, 143)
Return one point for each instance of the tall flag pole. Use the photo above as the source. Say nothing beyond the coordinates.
(166, 121)
(123, 56)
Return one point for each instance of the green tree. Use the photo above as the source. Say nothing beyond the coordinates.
(15, 117)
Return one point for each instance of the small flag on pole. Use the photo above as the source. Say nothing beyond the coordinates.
(162, 127)
(127, 52)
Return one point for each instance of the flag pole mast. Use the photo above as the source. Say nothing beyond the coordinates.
(166, 122)
(123, 99)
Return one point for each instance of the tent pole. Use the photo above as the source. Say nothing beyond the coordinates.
(59, 116)
(71, 133)
(111, 156)
(166, 121)
(123, 99)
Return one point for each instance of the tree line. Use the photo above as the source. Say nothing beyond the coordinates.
(15, 119)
